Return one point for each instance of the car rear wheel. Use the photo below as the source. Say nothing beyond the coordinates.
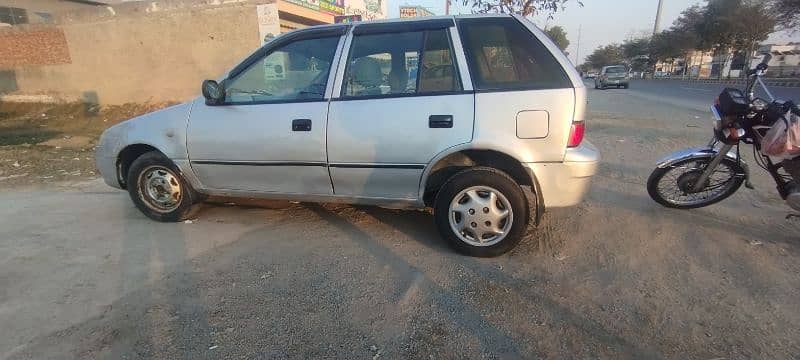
(481, 212)
(159, 190)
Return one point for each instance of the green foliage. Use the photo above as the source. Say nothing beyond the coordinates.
(522, 7)
(720, 25)
(611, 54)
(787, 13)
(559, 36)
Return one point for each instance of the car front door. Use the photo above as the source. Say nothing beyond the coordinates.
(400, 103)
(269, 134)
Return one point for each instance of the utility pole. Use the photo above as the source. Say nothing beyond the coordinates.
(447, 7)
(658, 17)
(578, 47)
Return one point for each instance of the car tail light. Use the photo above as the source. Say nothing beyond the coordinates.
(576, 133)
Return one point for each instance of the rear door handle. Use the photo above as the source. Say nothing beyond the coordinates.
(301, 125)
(440, 121)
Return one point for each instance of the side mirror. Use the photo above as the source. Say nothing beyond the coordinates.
(213, 92)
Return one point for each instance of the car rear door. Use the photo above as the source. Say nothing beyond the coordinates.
(269, 134)
(399, 102)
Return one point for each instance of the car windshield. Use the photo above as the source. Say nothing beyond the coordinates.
(615, 70)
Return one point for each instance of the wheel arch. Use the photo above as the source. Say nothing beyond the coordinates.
(127, 156)
(447, 163)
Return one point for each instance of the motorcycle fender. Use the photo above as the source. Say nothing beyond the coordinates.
(701, 153)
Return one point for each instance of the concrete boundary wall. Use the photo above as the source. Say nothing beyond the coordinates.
(785, 82)
(134, 52)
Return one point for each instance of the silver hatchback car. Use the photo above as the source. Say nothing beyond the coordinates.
(479, 117)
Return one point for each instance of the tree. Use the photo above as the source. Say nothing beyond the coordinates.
(605, 55)
(685, 32)
(637, 51)
(559, 36)
(522, 7)
(728, 26)
(787, 13)
(756, 23)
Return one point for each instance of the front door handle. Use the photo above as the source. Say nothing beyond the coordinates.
(301, 125)
(440, 121)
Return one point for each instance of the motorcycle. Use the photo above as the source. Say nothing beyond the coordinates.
(702, 176)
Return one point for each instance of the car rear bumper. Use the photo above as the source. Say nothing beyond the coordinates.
(615, 81)
(564, 184)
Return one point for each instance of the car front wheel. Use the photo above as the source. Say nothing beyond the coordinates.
(159, 190)
(481, 212)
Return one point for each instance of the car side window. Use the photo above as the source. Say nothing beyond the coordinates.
(296, 71)
(406, 63)
(503, 55)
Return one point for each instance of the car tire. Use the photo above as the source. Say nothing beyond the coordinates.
(465, 227)
(159, 190)
(625, 86)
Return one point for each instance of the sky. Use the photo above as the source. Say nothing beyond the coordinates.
(600, 21)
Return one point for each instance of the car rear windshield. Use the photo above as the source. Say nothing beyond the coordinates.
(615, 70)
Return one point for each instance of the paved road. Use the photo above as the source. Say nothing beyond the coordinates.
(691, 95)
(84, 275)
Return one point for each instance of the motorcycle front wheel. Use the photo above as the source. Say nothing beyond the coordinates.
(673, 186)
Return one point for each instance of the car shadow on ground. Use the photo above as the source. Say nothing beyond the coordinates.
(419, 225)
(177, 306)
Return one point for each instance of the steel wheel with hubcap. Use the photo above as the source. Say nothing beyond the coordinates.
(158, 189)
(481, 211)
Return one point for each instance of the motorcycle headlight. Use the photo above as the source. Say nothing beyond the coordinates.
(759, 104)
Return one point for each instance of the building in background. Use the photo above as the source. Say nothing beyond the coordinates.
(292, 14)
(785, 59)
(120, 51)
(408, 11)
(20, 12)
(785, 63)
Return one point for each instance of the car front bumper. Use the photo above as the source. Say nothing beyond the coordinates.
(105, 157)
(564, 184)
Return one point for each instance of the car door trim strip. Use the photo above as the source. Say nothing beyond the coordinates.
(310, 163)
(259, 163)
(378, 166)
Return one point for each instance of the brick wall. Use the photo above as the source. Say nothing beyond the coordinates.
(24, 46)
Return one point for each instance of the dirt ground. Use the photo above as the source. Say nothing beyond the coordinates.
(51, 143)
(84, 275)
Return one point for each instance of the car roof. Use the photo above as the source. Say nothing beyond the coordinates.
(405, 20)
(414, 19)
